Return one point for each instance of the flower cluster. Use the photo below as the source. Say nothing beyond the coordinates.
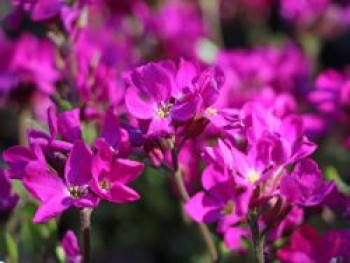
(169, 97)
(254, 177)
(307, 245)
(62, 171)
(222, 101)
(331, 98)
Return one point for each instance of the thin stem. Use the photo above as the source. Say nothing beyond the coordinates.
(185, 197)
(24, 115)
(3, 248)
(258, 239)
(85, 221)
(211, 16)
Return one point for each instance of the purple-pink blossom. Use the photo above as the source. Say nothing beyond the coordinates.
(221, 198)
(305, 185)
(307, 245)
(111, 176)
(165, 95)
(57, 194)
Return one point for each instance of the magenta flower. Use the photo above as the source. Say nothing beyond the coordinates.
(220, 199)
(111, 176)
(8, 200)
(189, 162)
(17, 158)
(332, 100)
(28, 73)
(281, 103)
(56, 194)
(33, 61)
(307, 245)
(149, 96)
(44, 147)
(288, 134)
(102, 53)
(259, 164)
(163, 95)
(64, 130)
(97, 79)
(196, 92)
(293, 220)
(338, 202)
(331, 93)
(42, 9)
(179, 28)
(251, 169)
(248, 72)
(71, 247)
(39, 9)
(233, 237)
(66, 124)
(304, 12)
(114, 135)
(305, 185)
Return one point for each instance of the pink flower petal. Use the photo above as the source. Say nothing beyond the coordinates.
(43, 183)
(78, 166)
(51, 208)
(139, 105)
(202, 208)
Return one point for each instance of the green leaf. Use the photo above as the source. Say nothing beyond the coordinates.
(65, 105)
(89, 133)
(331, 173)
(61, 257)
(207, 50)
(12, 250)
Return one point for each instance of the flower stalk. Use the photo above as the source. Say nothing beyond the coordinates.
(205, 232)
(258, 239)
(85, 221)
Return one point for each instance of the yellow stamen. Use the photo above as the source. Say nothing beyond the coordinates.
(211, 111)
(105, 185)
(75, 191)
(253, 176)
(164, 110)
(228, 208)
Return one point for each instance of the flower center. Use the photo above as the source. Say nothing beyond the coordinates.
(76, 191)
(105, 185)
(211, 111)
(228, 208)
(253, 176)
(164, 110)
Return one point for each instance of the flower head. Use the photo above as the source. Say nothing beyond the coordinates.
(305, 185)
(307, 245)
(169, 97)
(111, 176)
(220, 199)
(57, 194)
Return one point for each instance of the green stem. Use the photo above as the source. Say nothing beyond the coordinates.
(85, 221)
(205, 232)
(211, 14)
(3, 248)
(258, 239)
